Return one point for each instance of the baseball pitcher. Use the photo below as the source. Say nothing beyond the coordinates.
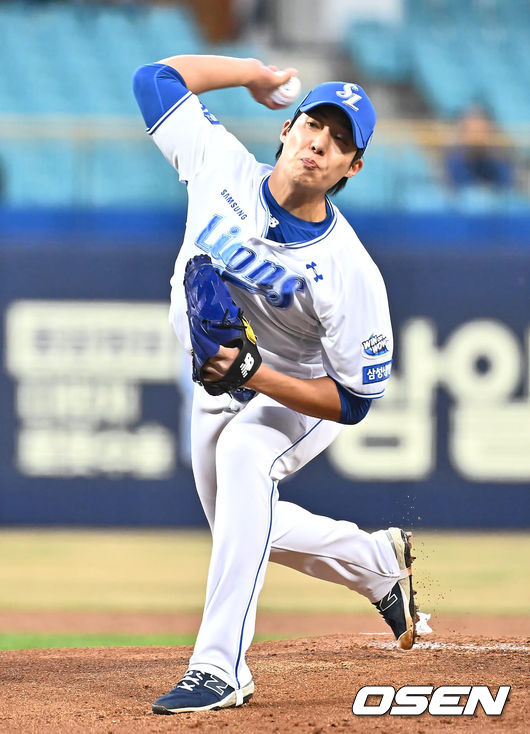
(286, 318)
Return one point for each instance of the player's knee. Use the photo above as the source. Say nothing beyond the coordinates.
(241, 447)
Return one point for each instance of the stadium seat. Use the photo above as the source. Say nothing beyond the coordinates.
(431, 49)
(77, 60)
(130, 174)
(39, 174)
(365, 41)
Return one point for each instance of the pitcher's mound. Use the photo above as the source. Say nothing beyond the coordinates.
(304, 685)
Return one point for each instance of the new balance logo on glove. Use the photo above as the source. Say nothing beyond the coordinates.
(247, 365)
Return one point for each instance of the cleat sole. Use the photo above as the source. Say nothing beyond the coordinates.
(407, 639)
(402, 543)
(157, 709)
(412, 607)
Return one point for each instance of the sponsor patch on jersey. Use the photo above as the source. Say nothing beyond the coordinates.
(377, 372)
(233, 203)
(375, 345)
(209, 115)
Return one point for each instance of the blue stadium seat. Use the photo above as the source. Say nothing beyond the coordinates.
(422, 197)
(432, 48)
(78, 60)
(365, 41)
(131, 174)
(374, 186)
(88, 54)
(39, 173)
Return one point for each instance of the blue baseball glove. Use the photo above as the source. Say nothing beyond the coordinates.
(215, 319)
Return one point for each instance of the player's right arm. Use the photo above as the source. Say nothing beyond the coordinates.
(205, 73)
(186, 133)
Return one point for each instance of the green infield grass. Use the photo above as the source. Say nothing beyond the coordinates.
(51, 640)
(165, 571)
(34, 641)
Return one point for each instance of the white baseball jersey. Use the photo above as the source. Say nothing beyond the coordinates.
(317, 307)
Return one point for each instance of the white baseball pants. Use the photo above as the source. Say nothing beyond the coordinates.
(239, 454)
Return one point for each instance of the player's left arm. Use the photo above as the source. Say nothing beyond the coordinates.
(356, 349)
(320, 397)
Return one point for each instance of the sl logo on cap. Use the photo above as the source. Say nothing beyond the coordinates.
(349, 95)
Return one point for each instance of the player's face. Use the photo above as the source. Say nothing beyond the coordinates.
(318, 149)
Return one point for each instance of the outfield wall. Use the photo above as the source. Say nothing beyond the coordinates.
(94, 391)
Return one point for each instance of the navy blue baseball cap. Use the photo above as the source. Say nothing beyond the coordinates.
(352, 100)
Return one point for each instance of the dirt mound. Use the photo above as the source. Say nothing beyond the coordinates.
(303, 685)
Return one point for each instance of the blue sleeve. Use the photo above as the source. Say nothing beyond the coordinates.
(352, 408)
(157, 89)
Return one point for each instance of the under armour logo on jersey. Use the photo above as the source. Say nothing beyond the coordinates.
(313, 267)
(246, 365)
(273, 222)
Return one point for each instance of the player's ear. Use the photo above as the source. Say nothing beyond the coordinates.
(285, 129)
(354, 168)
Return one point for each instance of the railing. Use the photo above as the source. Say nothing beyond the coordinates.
(87, 144)
(433, 133)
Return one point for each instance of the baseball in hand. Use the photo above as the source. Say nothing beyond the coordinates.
(288, 92)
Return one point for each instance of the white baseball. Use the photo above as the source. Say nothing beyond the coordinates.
(288, 92)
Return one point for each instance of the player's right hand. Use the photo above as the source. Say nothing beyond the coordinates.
(266, 80)
(217, 366)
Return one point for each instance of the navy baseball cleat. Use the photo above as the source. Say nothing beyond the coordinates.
(398, 608)
(199, 691)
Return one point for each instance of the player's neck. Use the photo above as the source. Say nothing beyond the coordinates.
(303, 203)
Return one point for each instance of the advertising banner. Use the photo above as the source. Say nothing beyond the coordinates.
(95, 395)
